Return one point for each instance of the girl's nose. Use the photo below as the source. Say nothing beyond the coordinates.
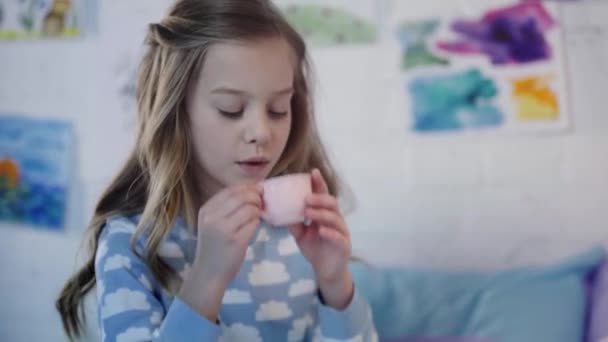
(257, 129)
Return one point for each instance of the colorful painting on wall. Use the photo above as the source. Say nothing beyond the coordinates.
(455, 102)
(496, 65)
(333, 23)
(24, 19)
(35, 168)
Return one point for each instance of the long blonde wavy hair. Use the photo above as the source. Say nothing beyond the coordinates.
(157, 179)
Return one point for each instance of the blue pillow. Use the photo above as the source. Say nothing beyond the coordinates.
(534, 304)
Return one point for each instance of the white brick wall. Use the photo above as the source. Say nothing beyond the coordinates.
(489, 202)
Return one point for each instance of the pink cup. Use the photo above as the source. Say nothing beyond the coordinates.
(284, 199)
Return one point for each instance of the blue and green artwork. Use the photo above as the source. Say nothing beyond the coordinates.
(35, 170)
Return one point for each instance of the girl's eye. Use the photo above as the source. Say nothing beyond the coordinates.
(277, 115)
(231, 115)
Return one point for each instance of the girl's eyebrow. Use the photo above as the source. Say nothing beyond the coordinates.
(232, 91)
(284, 91)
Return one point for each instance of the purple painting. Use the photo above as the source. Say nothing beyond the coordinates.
(511, 35)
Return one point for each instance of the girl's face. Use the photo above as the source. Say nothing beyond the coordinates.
(240, 111)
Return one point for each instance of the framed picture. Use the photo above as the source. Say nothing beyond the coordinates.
(333, 23)
(26, 19)
(36, 160)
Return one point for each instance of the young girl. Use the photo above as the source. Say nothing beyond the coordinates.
(179, 251)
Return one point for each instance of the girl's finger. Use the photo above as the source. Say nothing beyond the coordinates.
(297, 231)
(246, 231)
(333, 236)
(318, 182)
(242, 216)
(238, 199)
(326, 201)
(328, 218)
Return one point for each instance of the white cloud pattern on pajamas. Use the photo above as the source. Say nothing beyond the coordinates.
(170, 249)
(268, 273)
(273, 311)
(134, 334)
(102, 250)
(298, 329)
(240, 332)
(288, 246)
(156, 318)
(123, 300)
(116, 262)
(145, 282)
(234, 296)
(302, 287)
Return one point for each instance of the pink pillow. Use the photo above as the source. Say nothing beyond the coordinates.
(284, 198)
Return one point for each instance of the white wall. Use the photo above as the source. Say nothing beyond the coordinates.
(489, 202)
(472, 201)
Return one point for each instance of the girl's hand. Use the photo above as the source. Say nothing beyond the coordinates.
(226, 224)
(326, 243)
